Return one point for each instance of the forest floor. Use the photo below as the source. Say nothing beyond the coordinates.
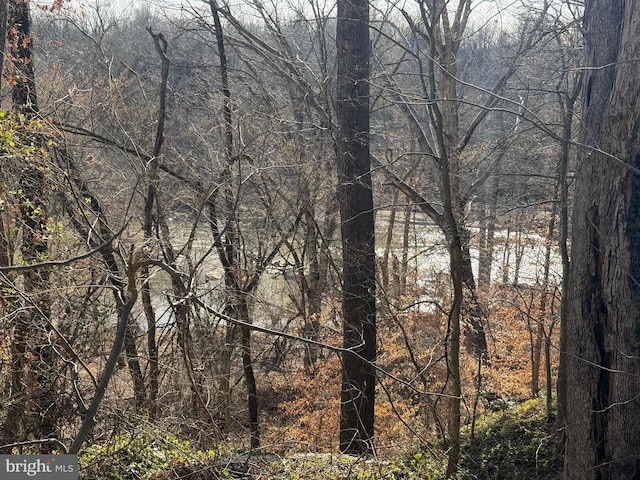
(518, 442)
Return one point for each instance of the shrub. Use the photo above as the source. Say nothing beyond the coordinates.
(138, 456)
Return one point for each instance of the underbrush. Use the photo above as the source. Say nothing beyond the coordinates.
(142, 455)
(517, 443)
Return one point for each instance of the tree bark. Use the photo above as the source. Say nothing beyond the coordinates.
(355, 198)
(4, 11)
(603, 370)
(20, 44)
(33, 408)
(247, 367)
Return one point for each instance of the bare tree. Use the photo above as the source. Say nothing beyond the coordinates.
(453, 126)
(357, 226)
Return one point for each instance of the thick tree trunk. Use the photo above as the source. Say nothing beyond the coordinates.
(603, 370)
(4, 12)
(20, 45)
(358, 240)
(33, 409)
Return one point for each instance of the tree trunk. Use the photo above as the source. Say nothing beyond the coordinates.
(33, 409)
(20, 45)
(544, 293)
(568, 103)
(11, 426)
(123, 320)
(133, 361)
(547, 369)
(487, 238)
(225, 377)
(603, 370)
(506, 258)
(152, 346)
(151, 221)
(4, 13)
(313, 283)
(110, 256)
(518, 252)
(455, 389)
(536, 356)
(355, 197)
(488, 223)
(404, 265)
(247, 368)
(388, 242)
(228, 253)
